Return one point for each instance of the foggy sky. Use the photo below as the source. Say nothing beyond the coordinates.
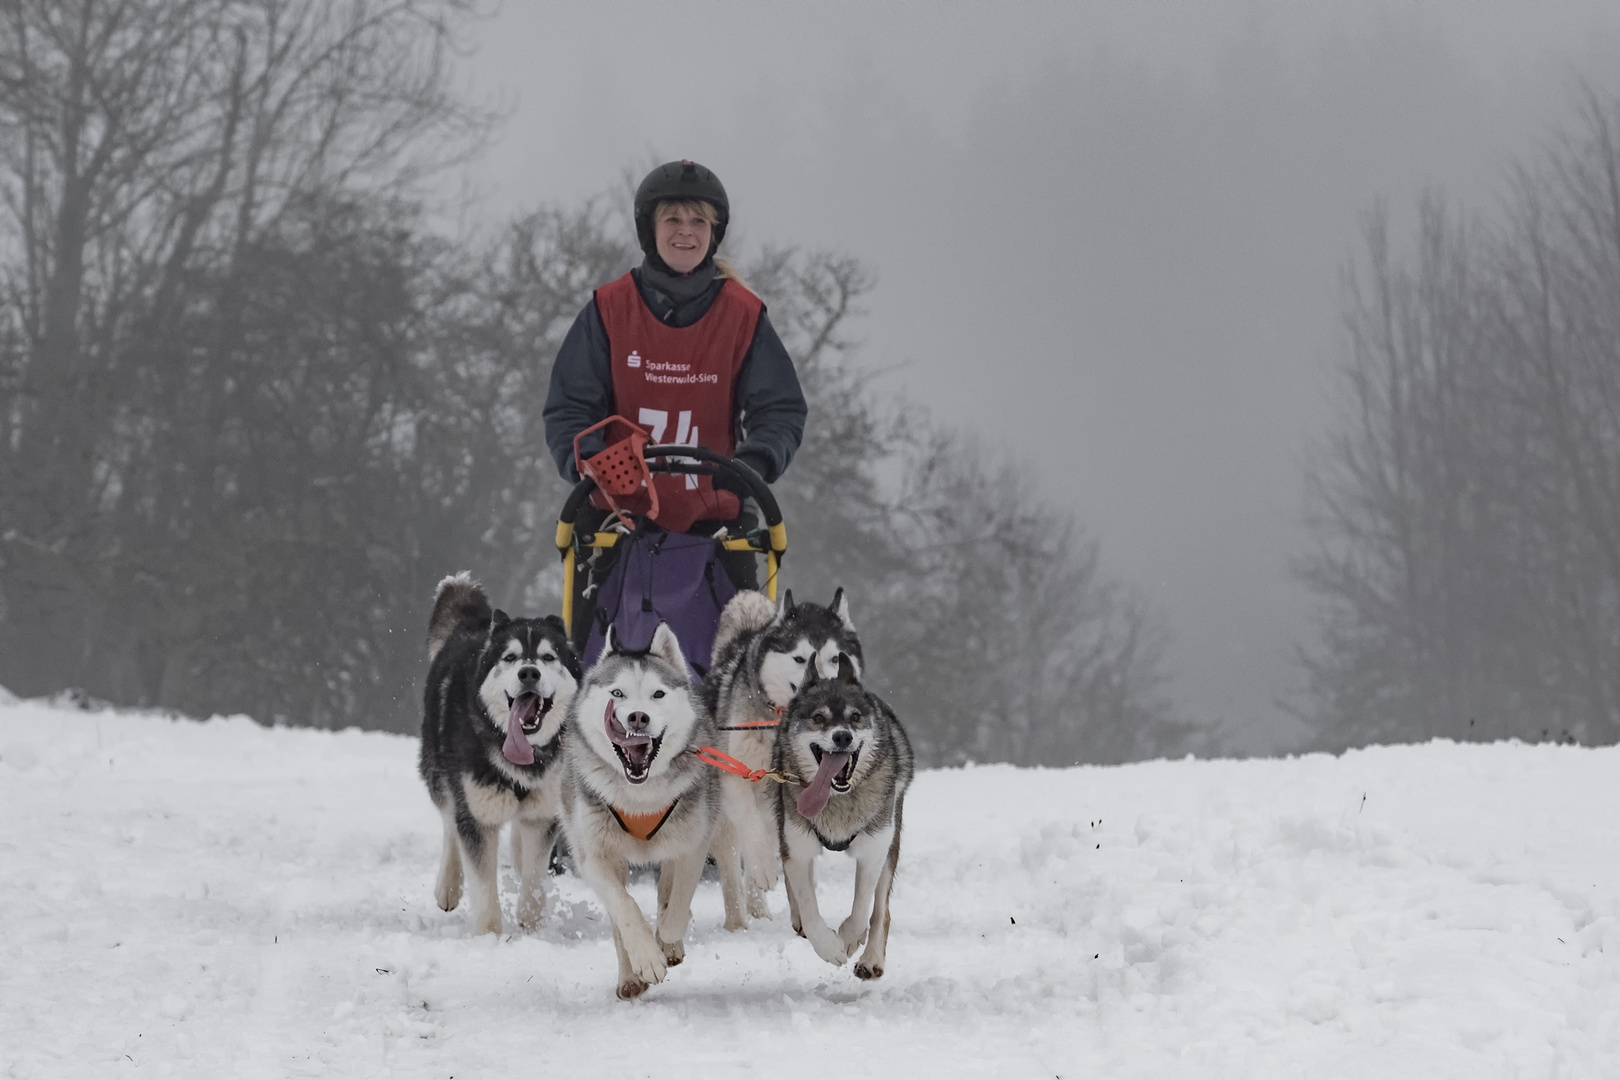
(1108, 236)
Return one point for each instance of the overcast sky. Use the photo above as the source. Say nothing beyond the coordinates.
(1108, 235)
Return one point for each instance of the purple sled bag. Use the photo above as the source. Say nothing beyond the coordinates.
(662, 577)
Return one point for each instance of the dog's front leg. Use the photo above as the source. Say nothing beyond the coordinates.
(447, 889)
(799, 851)
(478, 855)
(531, 849)
(870, 965)
(629, 985)
(723, 850)
(794, 918)
(675, 903)
(745, 809)
(641, 961)
(871, 851)
(761, 852)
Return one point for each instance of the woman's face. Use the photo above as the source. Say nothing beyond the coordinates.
(683, 239)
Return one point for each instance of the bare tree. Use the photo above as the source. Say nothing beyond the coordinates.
(1467, 506)
(1560, 320)
(1003, 637)
(1398, 498)
(840, 516)
(148, 149)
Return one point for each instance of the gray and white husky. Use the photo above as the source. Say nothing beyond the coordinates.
(497, 691)
(761, 654)
(634, 793)
(849, 747)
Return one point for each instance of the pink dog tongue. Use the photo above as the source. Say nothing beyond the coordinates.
(616, 731)
(814, 797)
(637, 748)
(516, 749)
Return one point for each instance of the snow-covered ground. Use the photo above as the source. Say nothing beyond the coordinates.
(224, 900)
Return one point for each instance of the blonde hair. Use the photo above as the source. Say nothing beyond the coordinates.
(704, 209)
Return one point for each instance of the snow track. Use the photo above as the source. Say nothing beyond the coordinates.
(221, 899)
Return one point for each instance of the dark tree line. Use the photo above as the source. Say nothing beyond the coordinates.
(1467, 506)
(252, 406)
(206, 297)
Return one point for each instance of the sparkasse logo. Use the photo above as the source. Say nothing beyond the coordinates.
(634, 359)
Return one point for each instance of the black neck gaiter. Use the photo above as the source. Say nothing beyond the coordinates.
(681, 289)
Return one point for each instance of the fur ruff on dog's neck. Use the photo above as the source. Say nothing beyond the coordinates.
(642, 826)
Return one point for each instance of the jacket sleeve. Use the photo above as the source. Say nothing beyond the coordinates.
(771, 405)
(581, 392)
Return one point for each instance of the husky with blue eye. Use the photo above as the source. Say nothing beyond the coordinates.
(497, 691)
(856, 763)
(635, 793)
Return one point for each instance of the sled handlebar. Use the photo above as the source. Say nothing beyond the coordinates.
(675, 458)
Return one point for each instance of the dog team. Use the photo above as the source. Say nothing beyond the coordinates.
(620, 760)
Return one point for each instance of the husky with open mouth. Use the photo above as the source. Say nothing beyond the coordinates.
(635, 793)
(497, 691)
(762, 651)
(856, 763)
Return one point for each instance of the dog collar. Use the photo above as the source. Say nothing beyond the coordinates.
(642, 826)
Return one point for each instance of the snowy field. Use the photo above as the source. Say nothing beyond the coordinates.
(224, 900)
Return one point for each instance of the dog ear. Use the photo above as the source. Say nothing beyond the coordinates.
(812, 675)
(610, 642)
(840, 606)
(556, 623)
(498, 620)
(786, 607)
(846, 670)
(667, 647)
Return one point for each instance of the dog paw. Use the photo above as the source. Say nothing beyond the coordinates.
(646, 958)
(530, 910)
(852, 932)
(758, 907)
(674, 952)
(864, 970)
(447, 895)
(760, 876)
(631, 988)
(488, 923)
(735, 923)
(829, 947)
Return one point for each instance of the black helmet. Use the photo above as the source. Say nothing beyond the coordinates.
(681, 181)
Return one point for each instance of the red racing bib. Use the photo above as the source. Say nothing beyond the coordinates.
(680, 384)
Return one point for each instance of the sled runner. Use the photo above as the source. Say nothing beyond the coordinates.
(658, 574)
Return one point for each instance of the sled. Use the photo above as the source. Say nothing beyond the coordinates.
(691, 594)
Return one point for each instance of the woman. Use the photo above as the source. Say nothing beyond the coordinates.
(682, 347)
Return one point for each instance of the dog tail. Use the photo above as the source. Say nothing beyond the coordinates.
(459, 601)
(747, 611)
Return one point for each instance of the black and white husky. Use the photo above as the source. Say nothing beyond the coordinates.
(497, 691)
(857, 763)
(634, 793)
(761, 654)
